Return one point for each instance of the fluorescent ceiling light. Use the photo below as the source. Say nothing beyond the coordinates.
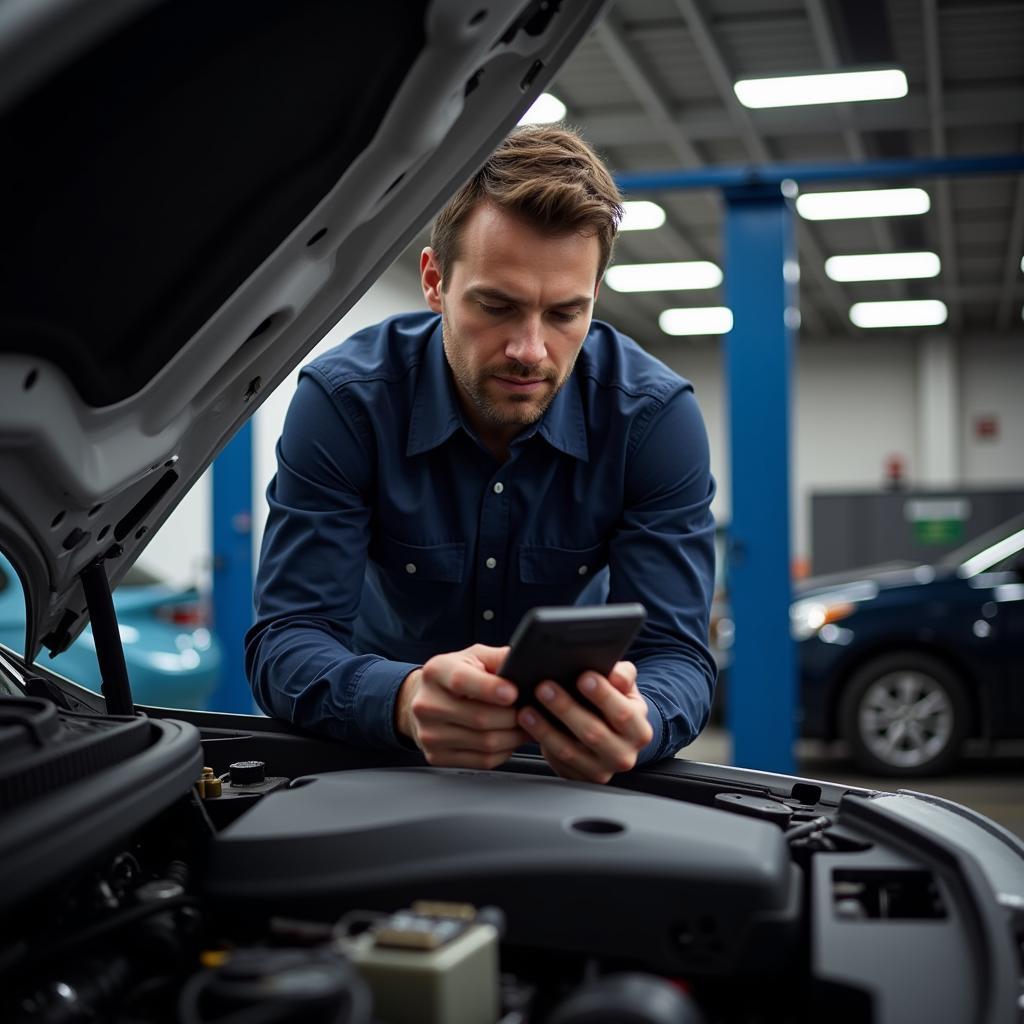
(663, 277)
(883, 266)
(641, 215)
(909, 313)
(546, 108)
(836, 87)
(884, 202)
(696, 320)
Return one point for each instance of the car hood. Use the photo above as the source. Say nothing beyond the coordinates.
(193, 194)
(870, 581)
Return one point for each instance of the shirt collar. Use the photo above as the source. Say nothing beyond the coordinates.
(435, 410)
(436, 413)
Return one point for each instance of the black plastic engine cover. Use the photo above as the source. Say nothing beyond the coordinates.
(575, 867)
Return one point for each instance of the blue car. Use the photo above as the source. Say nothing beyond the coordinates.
(173, 659)
(907, 661)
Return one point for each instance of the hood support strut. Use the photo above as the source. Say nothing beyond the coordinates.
(116, 689)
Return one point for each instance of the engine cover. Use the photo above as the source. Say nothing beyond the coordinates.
(575, 867)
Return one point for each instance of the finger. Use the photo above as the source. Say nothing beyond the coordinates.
(623, 676)
(437, 705)
(456, 737)
(462, 678)
(625, 716)
(609, 748)
(445, 758)
(569, 758)
(566, 771)
(492, 658)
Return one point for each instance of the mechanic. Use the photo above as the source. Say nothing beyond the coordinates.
(441, 473)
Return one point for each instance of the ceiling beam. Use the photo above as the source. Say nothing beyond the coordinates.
(937, 130)
(628, 63)
(962, 108)
(651, 97)
(824, 39)
(693, 14)
(1012, 276)
(645, 89)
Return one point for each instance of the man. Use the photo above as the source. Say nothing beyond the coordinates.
(441, 473)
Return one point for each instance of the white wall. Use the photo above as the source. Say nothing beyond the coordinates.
(992, 384)
(855, 403)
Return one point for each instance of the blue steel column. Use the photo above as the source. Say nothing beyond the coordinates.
(233, 567)
(762, 676)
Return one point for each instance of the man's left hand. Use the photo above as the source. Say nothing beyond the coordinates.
(600, 745)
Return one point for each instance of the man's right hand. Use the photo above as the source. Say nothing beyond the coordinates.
(458, 712)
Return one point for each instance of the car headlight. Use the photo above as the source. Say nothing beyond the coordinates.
(808, 616)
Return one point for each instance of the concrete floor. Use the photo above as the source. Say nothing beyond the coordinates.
(993, 785)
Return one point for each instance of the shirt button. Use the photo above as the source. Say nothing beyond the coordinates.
(499, 487)
(410, 568)
(582, 570)
(488, 615)
(491, 563)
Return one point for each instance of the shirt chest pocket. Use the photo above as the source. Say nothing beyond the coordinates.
(433, 563)
(551, 565)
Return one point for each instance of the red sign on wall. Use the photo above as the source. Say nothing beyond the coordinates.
(986, 428)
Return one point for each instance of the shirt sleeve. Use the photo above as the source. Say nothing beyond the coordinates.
(298, 653)
(663, 555)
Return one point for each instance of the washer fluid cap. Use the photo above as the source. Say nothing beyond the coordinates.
(247, 773)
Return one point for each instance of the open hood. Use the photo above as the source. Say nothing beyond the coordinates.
(193, 194)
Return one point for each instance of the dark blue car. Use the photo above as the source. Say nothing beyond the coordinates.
(905, 662)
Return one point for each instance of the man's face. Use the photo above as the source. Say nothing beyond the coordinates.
(515, 312)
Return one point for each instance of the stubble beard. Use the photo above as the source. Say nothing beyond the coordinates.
(516, 410)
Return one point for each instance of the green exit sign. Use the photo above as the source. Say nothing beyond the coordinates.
(938, 521)
(939, 531)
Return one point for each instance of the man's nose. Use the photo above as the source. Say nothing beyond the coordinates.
(527, 344)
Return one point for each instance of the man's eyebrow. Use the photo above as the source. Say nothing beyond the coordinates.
(497, 295)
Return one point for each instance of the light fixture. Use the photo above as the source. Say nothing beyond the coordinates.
(641, 215)
(883, 202)
(904, 313)
(545, 109)
(883, 266)
(663, 277)
(696, 320)
(833, 87)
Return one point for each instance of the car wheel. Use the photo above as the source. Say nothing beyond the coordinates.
(904, 714)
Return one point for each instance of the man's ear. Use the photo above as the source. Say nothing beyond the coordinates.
(430, 279)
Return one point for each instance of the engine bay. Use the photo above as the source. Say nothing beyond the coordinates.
(161, 870)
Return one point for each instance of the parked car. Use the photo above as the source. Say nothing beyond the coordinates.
(173, 659)
(192, 195)
(907, 661)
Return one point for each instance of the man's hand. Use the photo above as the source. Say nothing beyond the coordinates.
(603, 746)
(458, 712)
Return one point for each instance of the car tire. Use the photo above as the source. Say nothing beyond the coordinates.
(904, 714)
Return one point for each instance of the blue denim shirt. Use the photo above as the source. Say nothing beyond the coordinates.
(394, 534)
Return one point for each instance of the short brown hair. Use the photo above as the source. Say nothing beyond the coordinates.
(548, 176)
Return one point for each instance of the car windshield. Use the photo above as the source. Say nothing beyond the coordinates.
(990, 541)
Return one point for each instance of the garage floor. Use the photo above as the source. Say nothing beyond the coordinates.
(993, 785)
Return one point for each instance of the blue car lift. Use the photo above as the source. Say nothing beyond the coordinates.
(758, 235)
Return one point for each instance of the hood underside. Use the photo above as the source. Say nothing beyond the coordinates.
(193, 194)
